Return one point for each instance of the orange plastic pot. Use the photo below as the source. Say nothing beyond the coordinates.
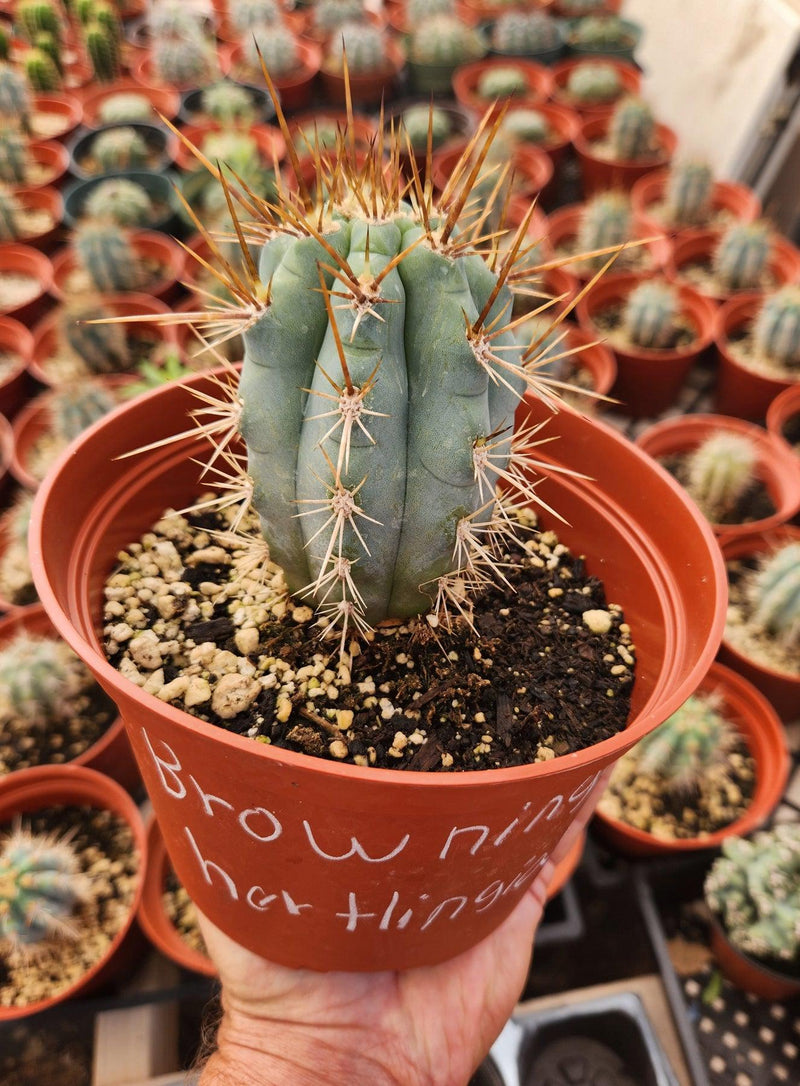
(16, 385)
(150, 246)
(52, 158)
(30, 791)
(312, 863)
(600, 174)
(50, 201)
(143, 71)
(629, 76)
(66, 107)
(693, 246)
(26, 261)
(164, 100)
(758, 724)
(784, 409)
(111, 754)
(740, 390)
(780, 688)
(777, 469)
(738, 200)
(648, 380)
(565, 223)
(747, 973)
(468, 76)
(485, 10)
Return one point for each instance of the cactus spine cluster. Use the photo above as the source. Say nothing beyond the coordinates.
(719, 471)
(444, 39)
(9, 215)
(594, 82)
(688, 193)
(742, 256)
(502, 82)
(103, 348)
(119, 149)
(278, 48)
(41, 886)
(776, 329)
(774, 592)
(228, 103)
(107, 256)
(606, 220)
(13, 157)
(689, 743)
(650, 314)
(364, 45)
(521, 33)
(754, 889)
(120, 201)
(632, 130)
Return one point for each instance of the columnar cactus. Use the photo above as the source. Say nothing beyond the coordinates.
(776, 330)
(38, 678)
(38, 16)
(688, 193)
(774, 592)
(632, 130)
(526, 125)
(15, 99)
(41, 71)
(364, 45)
(523, 33)
(103, 348)
(9, 215)
(650, 314)
(719, 471)
(754, 889)
(107, 256)
(444, 39)
(247, 15)
(228, 103)
(606, 220)
(278, 48)
(502, 82)
(13, 157)
(593, 83)
(75, 407)
(688, 744)
(742, 256)
(120, 201)
(119, 149)
(122, 108)
(103, 51)
(41, 886)
(422, 121)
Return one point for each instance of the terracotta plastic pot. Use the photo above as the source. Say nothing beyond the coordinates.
(16, 386)
(739, 201)
(367, 89)
(781, 689)
(415, 867)
(648, 381)
(694, 246)
(66, 109)
(295, 89)
(741, 391)
(777, 469)
(600, 174)
(164, 100)
(784, 409)
(564, 226)
(111, 754)
(758, 724)
(153, 918)
(747, 973)
(149, 245)
(72, 785)
(630, 79)
(483, 10)
(49, 201)
(52, 159)
(468, 76)
(26, 261)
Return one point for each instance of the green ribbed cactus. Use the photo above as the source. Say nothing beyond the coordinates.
(38, 16)
(41, 71)
(118, 149)
(444, 39)
(278, 48)
(15, 99)
(632, 130)
(754, 889)
(5, 42)
(593, 83)
(520, 33)
(120, 201)
(774, 593)
(103, 51)
(719, 471)
(108, 258)
(419, 121)
(103, 348)
(13, 157)
(49, 44)
(606, 220)
(73, 408)
(121, 108)
(9, 215)
(742, 256)
(228, 103)
(601, 33)
(502, 82)
(41, 887)
(249, 15)
(688, 192)
(105, 15)
(331, 15)
(650, 314)
(84, 11)
(776, 329)
(364, 45)
(688, 744)
(39, 676)
(184, 62)
(526, 125)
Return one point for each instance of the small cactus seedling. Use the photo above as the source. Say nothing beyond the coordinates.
(249, 15)
(650, 315)
(754, 889)
(13, 157)
(444, 39)
(776, 329)
(41, 886)
(9, 215)
(103, 348)
(108, 258)
(521, 33)
(122, 108)
(75, 407)
(185, 62)
(632, 130)
(104, 52)
(502, 82)
(593, 83)
(688, 193)
(742, 256)
(719, 471)
(15, 99)
(227, 103)
(606, 220)
(120, 201)
(601, 33)
(363, 44)
(41, 71)
(277, 45)
(331, 15)
(39, 677)
(688, 744)
(526, 126)
(774, 592)
(420, 121)
(119, 149)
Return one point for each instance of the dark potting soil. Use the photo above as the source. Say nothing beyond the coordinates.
(182, 914)
(104, 846)
(532, 682)
(755, 503)
(609, 321)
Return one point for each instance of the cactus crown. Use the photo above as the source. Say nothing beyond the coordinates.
(776, 329)
(120, 201)
(632, 130)
(528, 125)
(74, 407)
(330, 15)
(502, 82)
(15, 100)
(606, 220)
(103, 348)
(120, 148)
(774, 593)
(419, 121)
(9, 215)
(228, 103)
(38, 677)
(248, 15)
(523, 32)
(444, 39)
(594, 82)
(107, 256)
(119, 108)
(689, 189)
(278, 48)
(40, 887)
(720, 470)
(742, 255)
(650, 314)
(689, 743)
(754, 888)
(364, 46)
(13, 157)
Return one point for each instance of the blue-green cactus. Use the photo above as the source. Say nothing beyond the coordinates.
(15, 99)
(9, 215)
(444, 40)
(102, 348)
(632, 130)
(776, 329)
(742, 256)
(650, 314)
(13, 157)
(688, 193)
(75, 407)
(521, 33)
(504, 81)
(602, 34)
(108, 257)
(606, 220)
(688, 744)
(774, 592)
(527, 125)
(719, 471)
(594, 83)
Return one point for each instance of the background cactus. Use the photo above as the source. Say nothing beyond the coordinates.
(74, 407)
(502, 82)
(601, 33)
(36, 17)
(15, 99)
(444, 39)
(118, 149)
(365, 47)
(594, 82)
(688, 193)
(40, 888)
(228, 103)
(13, 158)
(742, 256)
(419, 120)
(103, 348)
(774, 593)
(119, 108)
(719, 471)
(41, 71)
(248, 15)
(606, 220)
(650, 315)
(120, 201)
(9, 215)
(689, 743)
(523, 33)
(776, 329)
(5, 42)
(330, 15)
(184, 62)
(39, 677)
(527, 125)
(103, 50)
(108, 257)
(754, 889)
(632, 130)
(278, 48)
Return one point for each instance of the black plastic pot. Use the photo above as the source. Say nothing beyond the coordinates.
(190, 110)
(157, 185)
(161, 142)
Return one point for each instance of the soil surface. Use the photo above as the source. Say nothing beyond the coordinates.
(532, 681)
(755, 503)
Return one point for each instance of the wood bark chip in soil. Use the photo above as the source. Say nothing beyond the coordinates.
(104, 846)
(533, 683)
(754, 503)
